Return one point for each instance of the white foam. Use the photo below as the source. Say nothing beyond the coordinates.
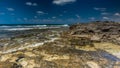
(32, 45)
(18, 29)
(66, 25)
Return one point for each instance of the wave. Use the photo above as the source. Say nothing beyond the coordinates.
(23, 26)
(18, 29)
(29, 27)
(65, 25)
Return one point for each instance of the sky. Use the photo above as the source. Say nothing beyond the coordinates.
(58, 11)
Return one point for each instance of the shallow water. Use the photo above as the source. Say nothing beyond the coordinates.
(7, 31)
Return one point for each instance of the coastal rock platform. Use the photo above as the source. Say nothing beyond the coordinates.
(91, 45)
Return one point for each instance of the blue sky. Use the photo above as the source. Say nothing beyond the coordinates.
(57, 11)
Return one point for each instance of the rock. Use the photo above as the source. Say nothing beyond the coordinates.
(23, 62)
(93, 64)
(97, 31)
(9, 65)
(3, 58)
(30, 54)
(15, 65)
(118, 39)
(81, 41)
(26, 63)
(88, 45)
(95, 38)
(117, 65)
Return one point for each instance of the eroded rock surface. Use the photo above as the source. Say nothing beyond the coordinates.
(98, 31)
(82, 46)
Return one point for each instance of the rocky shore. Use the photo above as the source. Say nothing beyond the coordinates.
(89, 45)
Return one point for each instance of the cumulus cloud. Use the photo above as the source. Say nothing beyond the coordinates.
(99, 9)
(41, 12)
(117, 14)
(25, 19)
(31, 4)
(105, 18)
(78, 16)
(53, 17)
(92, 18)
(35, 17)
(63, 2)
(28, 3)
(104, 13)
(34, 4)
(10, 9)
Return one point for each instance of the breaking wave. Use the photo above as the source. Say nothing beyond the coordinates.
(29, 27)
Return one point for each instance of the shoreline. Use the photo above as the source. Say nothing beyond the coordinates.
(79, 46)
(29, 46)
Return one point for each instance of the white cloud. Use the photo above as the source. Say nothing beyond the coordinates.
(35, 17)
(117, 14)
(35, 4)
(25, 19)
(63, 2)
(10, 9)
(41, 12)
(54, 17)
(99, 9)
(78, 16)
(105, 18)
(92, 18)
(31, 4)
(104, 13)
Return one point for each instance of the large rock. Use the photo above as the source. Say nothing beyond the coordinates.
(104, 31)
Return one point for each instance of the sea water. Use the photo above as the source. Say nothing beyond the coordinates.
(7, 31)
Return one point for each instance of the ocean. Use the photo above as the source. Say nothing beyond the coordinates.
(7, 31)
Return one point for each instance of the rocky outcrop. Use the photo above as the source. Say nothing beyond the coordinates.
(82, 46)
(104, 31)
